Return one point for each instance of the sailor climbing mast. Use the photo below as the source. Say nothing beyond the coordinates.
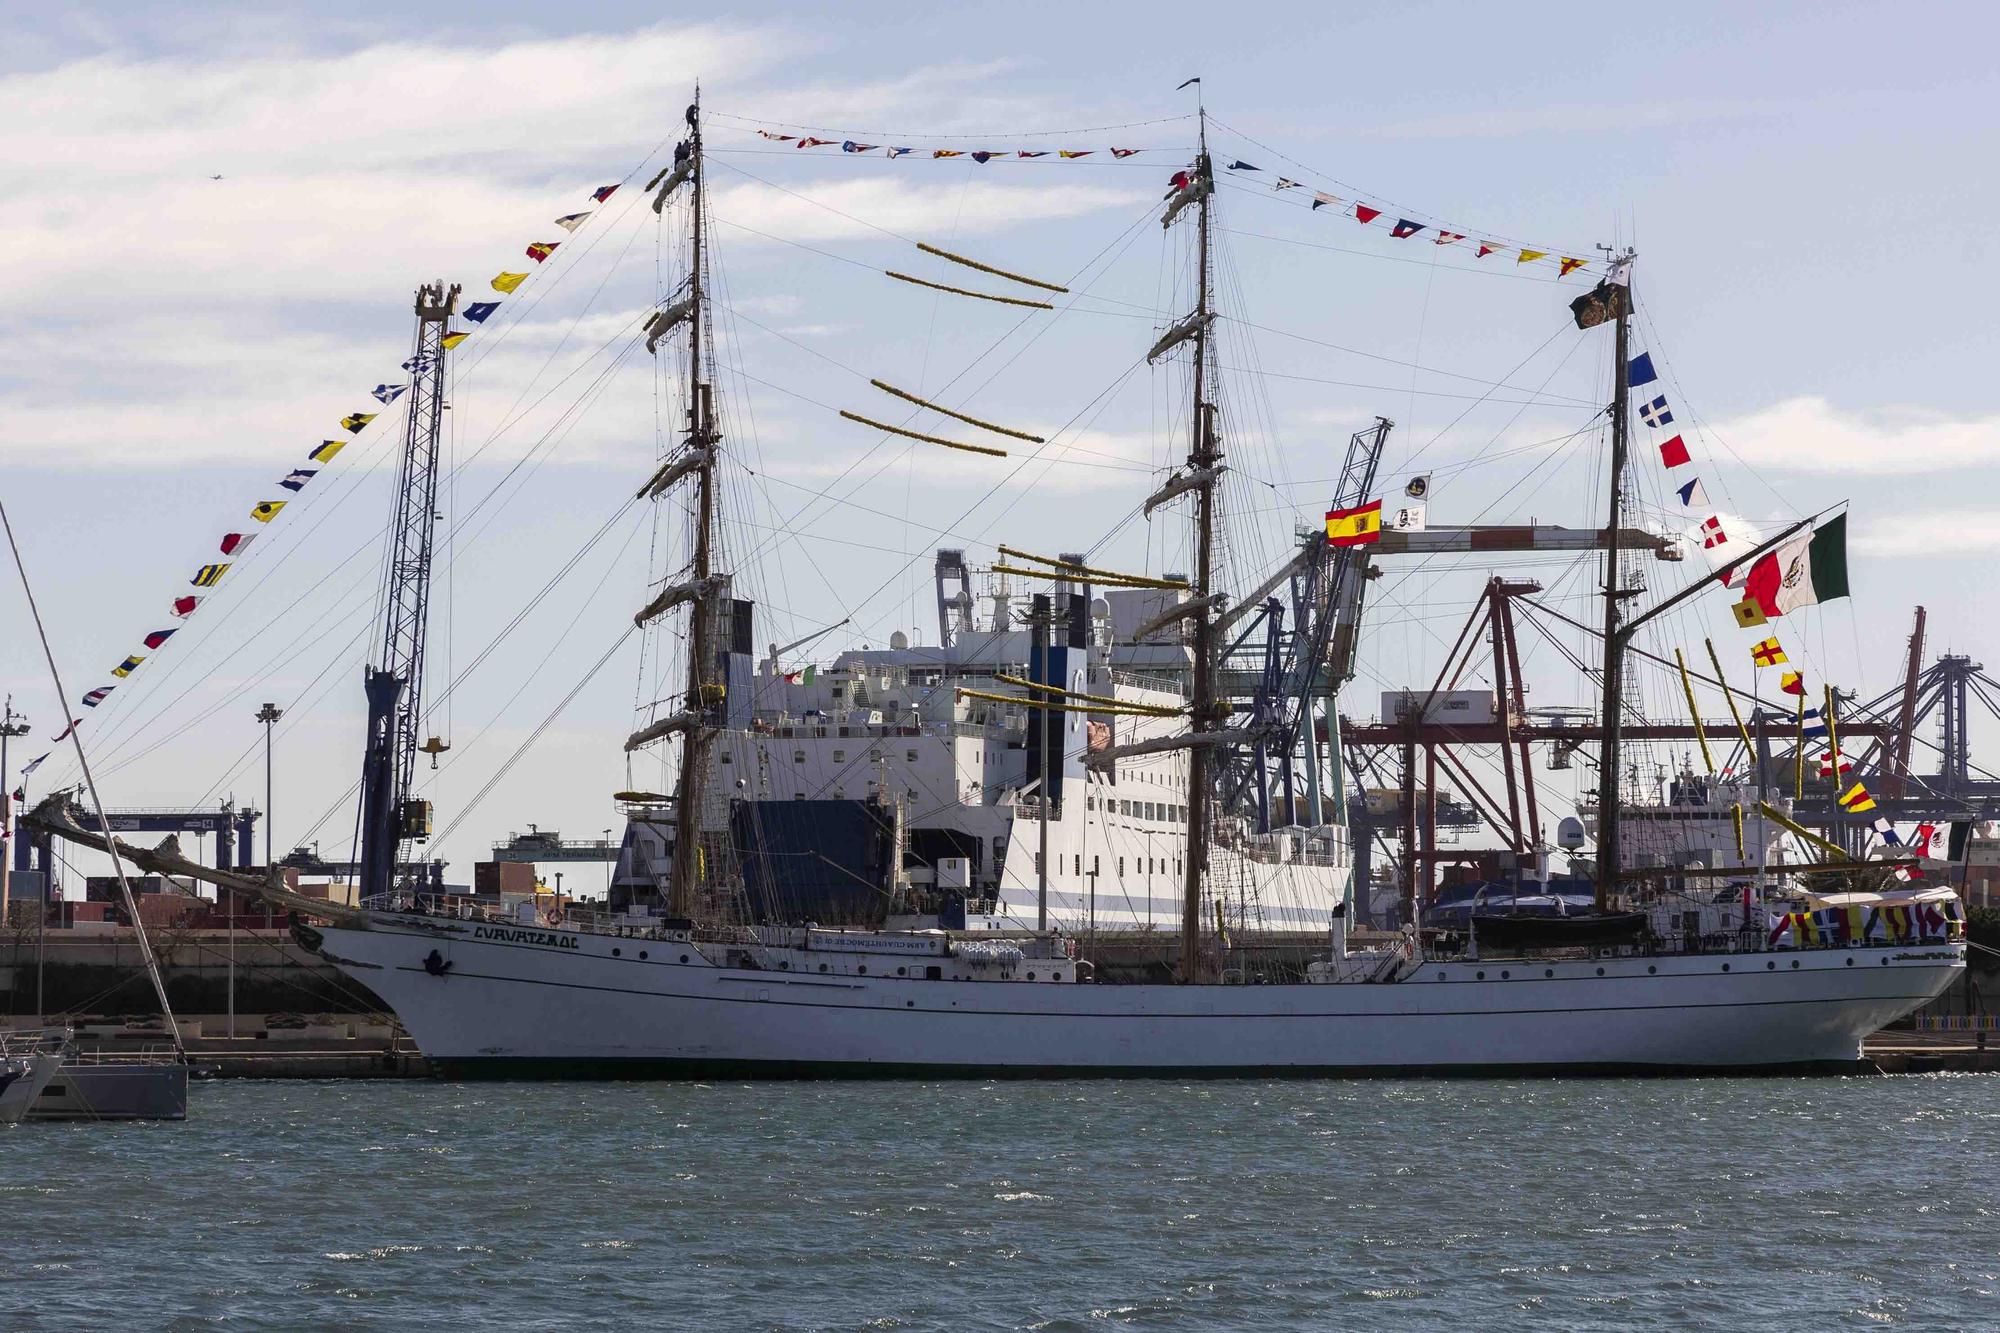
(1202, 458)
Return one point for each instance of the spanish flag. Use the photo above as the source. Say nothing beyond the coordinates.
(452, 340)
(1857, 800)
(127, 667)
(327, 449)
(507, 282)
(1354, 527)
(267, 510)
(354, 423)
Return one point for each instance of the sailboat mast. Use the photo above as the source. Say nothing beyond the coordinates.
(1201, 457)
(1608, 768)
(702, 436)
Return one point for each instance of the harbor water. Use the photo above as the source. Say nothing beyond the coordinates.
(1715, 1203)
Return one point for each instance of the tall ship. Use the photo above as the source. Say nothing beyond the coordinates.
(1100, 828)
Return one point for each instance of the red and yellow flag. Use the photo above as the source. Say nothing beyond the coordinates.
(1354, 527)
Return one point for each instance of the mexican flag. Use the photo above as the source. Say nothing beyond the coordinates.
(1803, 572)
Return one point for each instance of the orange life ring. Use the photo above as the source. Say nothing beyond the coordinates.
(553, 916)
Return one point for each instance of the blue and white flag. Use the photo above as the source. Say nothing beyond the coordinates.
(388, 393)
(1815, 725)
(417, 363)
(478, 311)
(1642, 370)
(1887, 832)
(297, 481)
(1655, 413)
(1692, 494)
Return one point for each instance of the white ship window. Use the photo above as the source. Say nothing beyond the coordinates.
(1076, 867)
(726, 758)
(910, 756)
(840, 756)
(1093, 863)
(798, 756)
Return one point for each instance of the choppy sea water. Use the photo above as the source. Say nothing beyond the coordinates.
(1720, 1203)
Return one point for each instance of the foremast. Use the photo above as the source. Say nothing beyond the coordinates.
(1203, 458)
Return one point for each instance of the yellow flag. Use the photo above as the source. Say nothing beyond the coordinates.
(507, 282)
(353, 423)
(454, 339)
(267, 510)
(1530, 256)
(327, 449)
(1749, 613)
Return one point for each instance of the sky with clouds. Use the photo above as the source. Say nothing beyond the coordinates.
(216, 217)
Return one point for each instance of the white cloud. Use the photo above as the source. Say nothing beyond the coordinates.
(1809, 434)
(1950, 532)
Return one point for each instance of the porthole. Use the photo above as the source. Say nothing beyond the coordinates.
(1548, 971)
(1440, 976)
(1031, 976)
(784, 964)
(1725, 967)
(1770, 967)
(1482, 976)
(863, 969)
(1652, 971)
(1600, 971)
(1505, 975)
(909, 1004)
(1795, 962)
(684, 958)
(1885, 962)
(902, 972)
(642, 955)
(1850, 962)
(822, 967)
(615, 953)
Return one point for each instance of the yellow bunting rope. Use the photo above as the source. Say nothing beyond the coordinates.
(1100, 581)
(1157, 710)
(980, 296)
(1694, 715)
(988, 268)
(907, 396)
(918, 435)
(1799, 752)
(1108, 710)
(1068, 567)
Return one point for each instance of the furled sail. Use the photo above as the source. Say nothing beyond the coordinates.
(1198, 188)
(1106, 757)
(1185, 611)
(679, 595)
(666, 726)
(1180, 333)
(674, 469)
(675, 178)
(662, 322)
(1191, 480)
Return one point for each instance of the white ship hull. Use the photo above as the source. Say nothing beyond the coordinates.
(531, 1002)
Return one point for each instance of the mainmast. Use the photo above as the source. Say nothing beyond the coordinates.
(701, 590)
(1202, 457)
(389, 815)
(1615, 632)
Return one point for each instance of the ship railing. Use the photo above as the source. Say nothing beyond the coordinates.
(1140, 682)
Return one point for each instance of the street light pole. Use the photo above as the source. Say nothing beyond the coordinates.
(268, 715)
(12, 724)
